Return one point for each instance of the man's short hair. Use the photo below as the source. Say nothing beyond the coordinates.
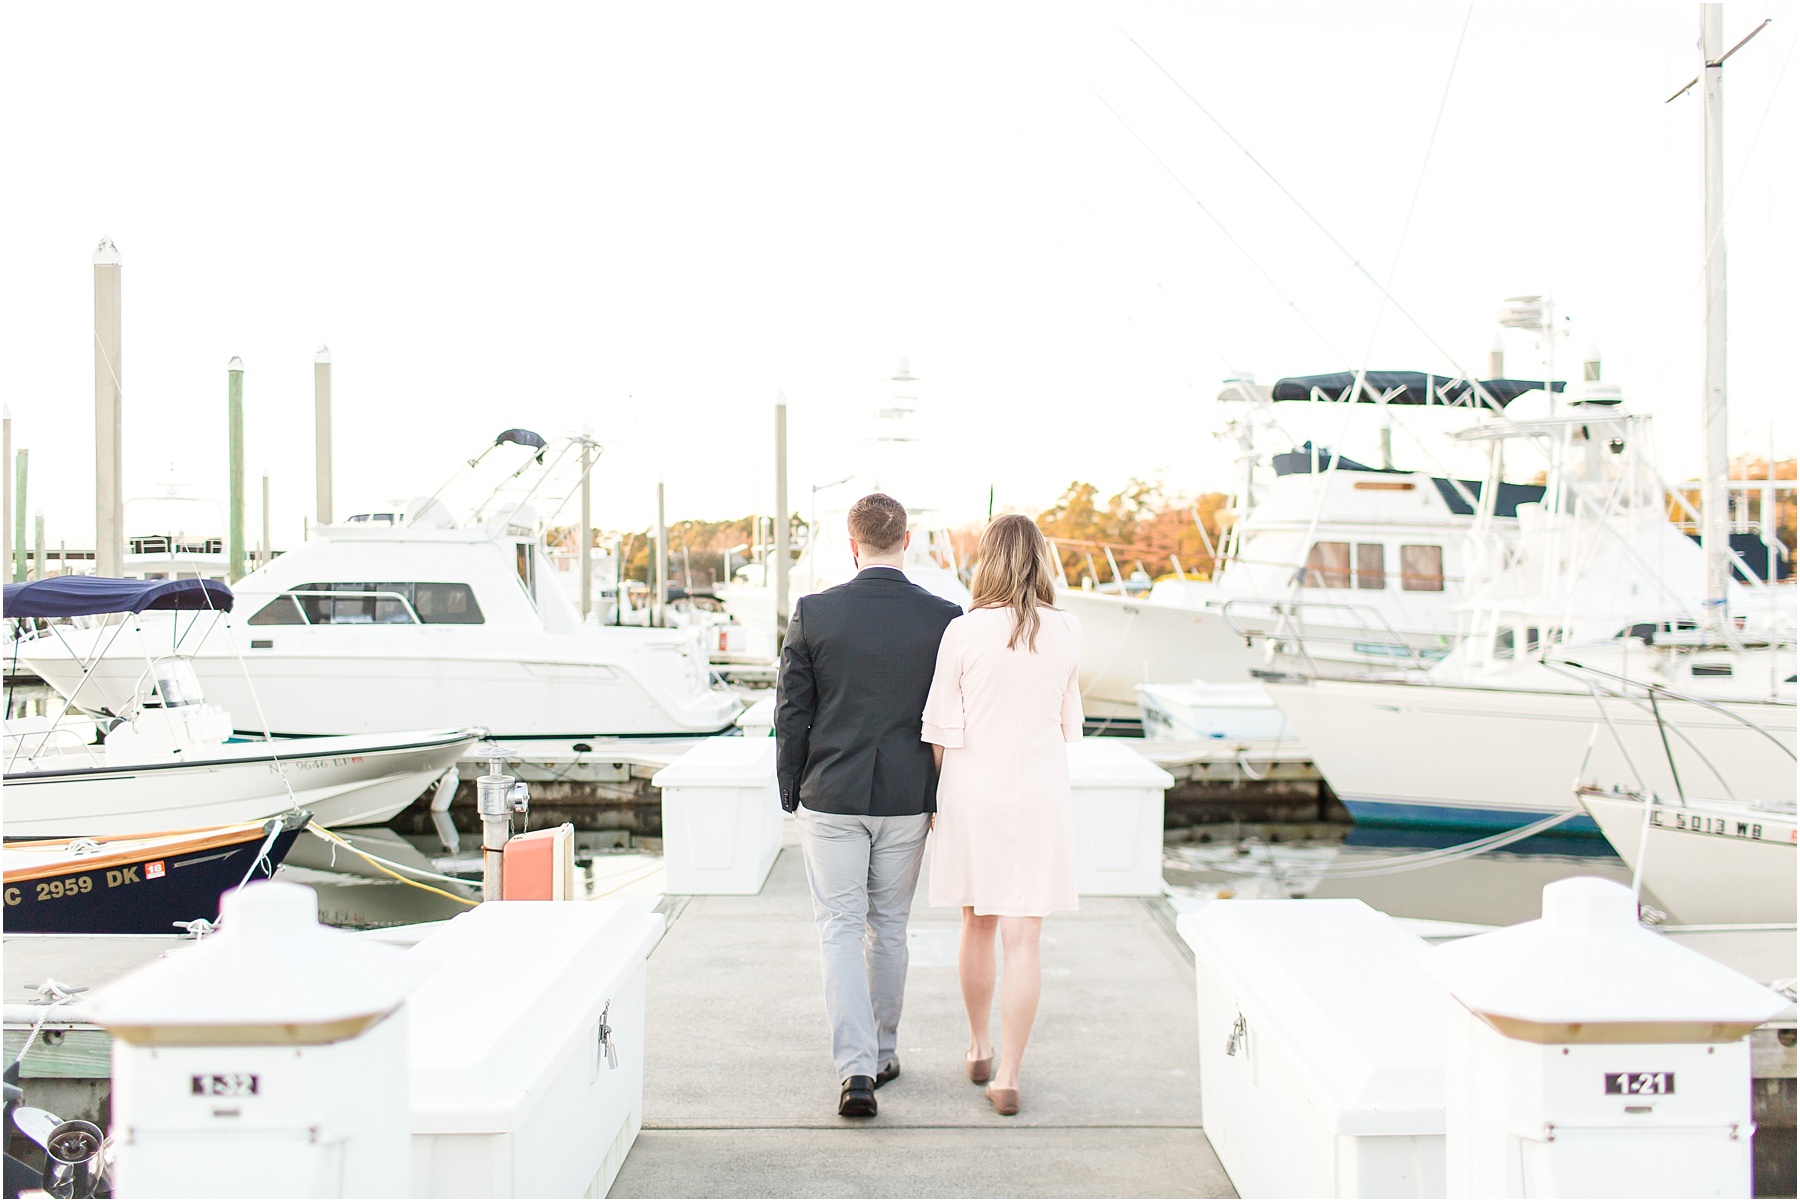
(878, 523)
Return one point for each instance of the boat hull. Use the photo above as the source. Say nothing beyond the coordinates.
(151, 890)
(344, 781)
(1482, 757)
(329, 681)
(1705, 864)
(1126, 642)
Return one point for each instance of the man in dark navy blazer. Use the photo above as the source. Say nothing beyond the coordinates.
(855, 671)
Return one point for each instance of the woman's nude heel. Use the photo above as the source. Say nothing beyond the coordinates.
(980, 1071)
(1006, 1101)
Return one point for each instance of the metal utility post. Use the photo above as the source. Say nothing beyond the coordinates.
(21, 471)
(37, 546)
(498, 796)
(109, 394)
(322, 513)
(234, 455)
(1715, 518)
(584, 562)
(268, 546)
(659, 567)
(781, 520)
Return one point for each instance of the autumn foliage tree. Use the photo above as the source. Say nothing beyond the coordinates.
(1142, 525)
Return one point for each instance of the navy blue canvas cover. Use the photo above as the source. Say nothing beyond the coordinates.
(78, 596)
(1416, 388)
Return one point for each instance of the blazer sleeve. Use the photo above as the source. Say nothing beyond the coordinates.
(796, 699)
(943, 720)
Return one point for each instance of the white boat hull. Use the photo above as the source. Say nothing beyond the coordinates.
(331, 681)
(1447, 754)
(1183, 712)
(345, 781)
(1708, 862)
(1127, 641)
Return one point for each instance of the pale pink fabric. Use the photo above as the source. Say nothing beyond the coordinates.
(1005, 836)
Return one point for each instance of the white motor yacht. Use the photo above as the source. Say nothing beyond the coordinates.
(166, 758)
(1366, 562)
(416, 619)
(1592, 661)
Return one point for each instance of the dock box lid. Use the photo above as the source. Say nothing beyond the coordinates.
(1095, 763)
(727, 762)
(517, 983)
(1340, 987)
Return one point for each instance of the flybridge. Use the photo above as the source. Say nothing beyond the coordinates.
(1407, 388)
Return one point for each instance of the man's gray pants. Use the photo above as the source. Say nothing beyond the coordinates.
(862, 872)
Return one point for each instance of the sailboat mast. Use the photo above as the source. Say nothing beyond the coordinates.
(1715, 520)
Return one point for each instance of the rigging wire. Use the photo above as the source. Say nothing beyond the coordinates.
(1211, 216)
(1355, 261)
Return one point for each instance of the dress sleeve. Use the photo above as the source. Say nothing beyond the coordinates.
(1071, 710)
(943, 721)
(1071, 706)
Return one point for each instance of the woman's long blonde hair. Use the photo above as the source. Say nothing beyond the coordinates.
(1013, 571)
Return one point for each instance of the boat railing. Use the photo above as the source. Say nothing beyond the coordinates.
(15, 745)
(1363, 629)
(1620, 686)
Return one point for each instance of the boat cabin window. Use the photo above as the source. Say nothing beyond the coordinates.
(1371, 565)
(1421, 568)
(1327, 566)
(356, 603)
(527, 569)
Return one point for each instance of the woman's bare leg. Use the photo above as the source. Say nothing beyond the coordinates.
(975, 966)
(1018, 995)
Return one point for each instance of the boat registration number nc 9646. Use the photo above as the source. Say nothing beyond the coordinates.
(1640, 1083)
(225, 1085)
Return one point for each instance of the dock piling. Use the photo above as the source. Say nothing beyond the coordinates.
(322, 514)
(234, 454)
(584, 562)
(781, 520)
(659, 573)
(21, 470)
(37, 546)
(263, 551)
(109, 455)
(6, 534)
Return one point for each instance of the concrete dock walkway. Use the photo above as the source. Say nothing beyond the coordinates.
(740, 1095)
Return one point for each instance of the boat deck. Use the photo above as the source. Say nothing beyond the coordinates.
(740, 1094)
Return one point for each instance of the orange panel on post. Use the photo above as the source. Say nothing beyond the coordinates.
(540, 866)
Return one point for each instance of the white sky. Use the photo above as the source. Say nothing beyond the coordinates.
(650, 219)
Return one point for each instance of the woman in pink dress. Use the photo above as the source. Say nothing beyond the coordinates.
(1002, 705)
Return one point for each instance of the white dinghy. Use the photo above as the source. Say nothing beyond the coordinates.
(166, 759)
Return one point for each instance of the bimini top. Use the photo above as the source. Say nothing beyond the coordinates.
(1406, 388)
(78, 596)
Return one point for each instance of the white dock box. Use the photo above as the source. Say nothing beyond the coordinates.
(1321, 1050)
(721, 816)
(1118, 799)
(527, 1049)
